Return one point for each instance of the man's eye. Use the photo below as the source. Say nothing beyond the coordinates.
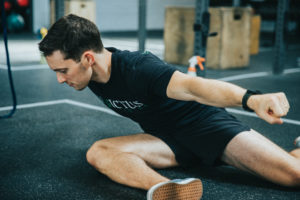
(63, 71)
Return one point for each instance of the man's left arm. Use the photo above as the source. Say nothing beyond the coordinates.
(270, 107)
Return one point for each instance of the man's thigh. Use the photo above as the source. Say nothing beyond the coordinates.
(155, 152)
(252, 152)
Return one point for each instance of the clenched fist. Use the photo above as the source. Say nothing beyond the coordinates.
(270, 107)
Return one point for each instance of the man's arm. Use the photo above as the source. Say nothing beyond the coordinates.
(269, 107)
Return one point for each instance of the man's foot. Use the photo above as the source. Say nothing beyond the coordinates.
(297, 142)
(178, 189)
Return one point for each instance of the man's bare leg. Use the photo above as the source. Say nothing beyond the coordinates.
(252, 152)
(296, 153)
(128, 159)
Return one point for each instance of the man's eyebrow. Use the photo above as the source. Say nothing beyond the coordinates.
(59, 69)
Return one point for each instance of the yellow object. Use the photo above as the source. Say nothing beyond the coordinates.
(43, 32)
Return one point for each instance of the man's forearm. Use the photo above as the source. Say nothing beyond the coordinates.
(270, 107)
(216, 93)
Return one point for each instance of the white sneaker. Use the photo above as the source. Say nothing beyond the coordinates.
(177, 189)
(297, 142)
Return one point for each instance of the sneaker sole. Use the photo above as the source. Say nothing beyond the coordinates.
(176, 191)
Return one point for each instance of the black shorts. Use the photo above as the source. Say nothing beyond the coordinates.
(203, 142)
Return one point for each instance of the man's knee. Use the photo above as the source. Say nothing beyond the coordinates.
(294, 177)
(100, 149)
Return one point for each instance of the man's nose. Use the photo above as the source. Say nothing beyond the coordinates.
(60, 78)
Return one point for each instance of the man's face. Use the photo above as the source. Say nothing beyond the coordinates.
(68, 71)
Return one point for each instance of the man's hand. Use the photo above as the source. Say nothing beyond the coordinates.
(270, 107)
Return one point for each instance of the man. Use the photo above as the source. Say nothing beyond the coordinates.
(183, 118)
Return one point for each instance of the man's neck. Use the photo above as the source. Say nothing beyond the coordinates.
(102, 67)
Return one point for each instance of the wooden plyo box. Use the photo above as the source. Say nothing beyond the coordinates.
(179, 34)
(82, 8)
(230, 48)
(255, 30)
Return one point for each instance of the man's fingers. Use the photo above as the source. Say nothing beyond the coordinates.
(283, 102)
(270, 118)
(279, 104)
(271, 107)
(274, 119)
(276, 108)
(278, 121)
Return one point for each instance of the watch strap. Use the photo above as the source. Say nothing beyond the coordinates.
(246, 96)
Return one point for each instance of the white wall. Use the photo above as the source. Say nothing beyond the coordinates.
(114, 15)
(122, 15)
(40, 14)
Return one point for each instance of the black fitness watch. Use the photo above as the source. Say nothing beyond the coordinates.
(246, 96)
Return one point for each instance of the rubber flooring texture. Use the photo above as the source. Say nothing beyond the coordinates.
(42, 149)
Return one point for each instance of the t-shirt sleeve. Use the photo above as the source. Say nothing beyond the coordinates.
(152, 75)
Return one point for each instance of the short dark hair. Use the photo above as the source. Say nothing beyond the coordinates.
(72, 35)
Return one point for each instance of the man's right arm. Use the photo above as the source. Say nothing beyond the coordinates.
(269, 107)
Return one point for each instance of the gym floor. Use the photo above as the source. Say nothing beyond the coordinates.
(43, 146)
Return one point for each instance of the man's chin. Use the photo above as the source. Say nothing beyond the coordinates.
(80, 89)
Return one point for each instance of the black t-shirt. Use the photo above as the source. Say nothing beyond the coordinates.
(137, 89)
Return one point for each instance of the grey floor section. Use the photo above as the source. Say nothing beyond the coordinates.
(42, 149)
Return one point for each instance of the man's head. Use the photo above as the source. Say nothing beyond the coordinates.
(72, 35)
(69, 47)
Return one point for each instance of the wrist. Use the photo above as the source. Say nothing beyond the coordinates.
(248, 100)
(252, 102)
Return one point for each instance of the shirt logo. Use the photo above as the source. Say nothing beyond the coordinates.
(128, 105)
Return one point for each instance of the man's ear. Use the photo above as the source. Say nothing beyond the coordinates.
(88, 58)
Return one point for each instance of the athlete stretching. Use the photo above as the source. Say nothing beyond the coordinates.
(183, 117)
